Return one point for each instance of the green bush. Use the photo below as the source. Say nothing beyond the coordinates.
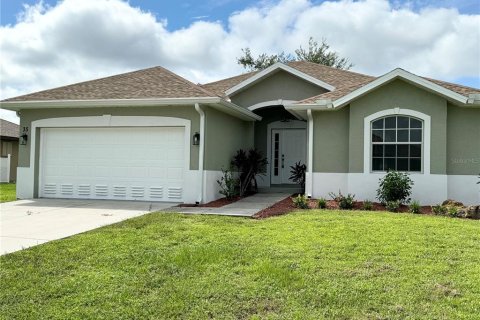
(367, 205)
(300, 201)
(439, 210)
(395, 186)
(321, 203)
(393, 206)
(228, 184)
(345, 202)
(415, 207)
(452, 211)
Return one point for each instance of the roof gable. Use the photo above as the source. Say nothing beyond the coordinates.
(259, 76)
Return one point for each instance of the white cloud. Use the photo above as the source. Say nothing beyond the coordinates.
(80, 40)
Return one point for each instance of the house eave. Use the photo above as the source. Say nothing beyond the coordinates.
(217, 102)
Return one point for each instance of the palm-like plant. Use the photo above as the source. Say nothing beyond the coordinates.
(297, 173)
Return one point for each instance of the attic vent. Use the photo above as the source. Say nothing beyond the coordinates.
(156, 192)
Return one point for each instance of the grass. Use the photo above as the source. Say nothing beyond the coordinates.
(7, 192)
(305, 265)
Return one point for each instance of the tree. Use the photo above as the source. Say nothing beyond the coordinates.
(316, 53)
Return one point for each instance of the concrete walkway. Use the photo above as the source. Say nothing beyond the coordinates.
(246, 207)
(28, 223)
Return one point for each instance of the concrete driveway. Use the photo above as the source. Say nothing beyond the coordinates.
(27, 223)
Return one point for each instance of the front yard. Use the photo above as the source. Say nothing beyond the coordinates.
(305, 265)
(7, 192)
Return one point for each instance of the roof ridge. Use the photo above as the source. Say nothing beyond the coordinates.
(188, 82)
(450, 83)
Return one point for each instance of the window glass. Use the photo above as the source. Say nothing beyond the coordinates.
(397, 144)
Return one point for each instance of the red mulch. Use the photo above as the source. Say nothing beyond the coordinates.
(286, 205)
(282, 207)
(213, 204)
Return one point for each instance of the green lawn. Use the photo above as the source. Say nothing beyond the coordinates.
(305, 265)
(7, 192)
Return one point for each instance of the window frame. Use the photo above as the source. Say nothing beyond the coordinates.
(426, 152)
(396, 143)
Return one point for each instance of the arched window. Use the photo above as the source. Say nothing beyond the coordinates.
(397, 143)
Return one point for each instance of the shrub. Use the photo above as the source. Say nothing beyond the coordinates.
(439, 210)
(297, 174)
(367, 205)
(395, 186)
(228, 184)
(345, 202)
(300, 201)
(249, 165)
(321, 203)
(452, 211)
(393, 206)
(415, 207)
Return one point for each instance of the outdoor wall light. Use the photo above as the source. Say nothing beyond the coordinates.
(196, 139)
(23, 139)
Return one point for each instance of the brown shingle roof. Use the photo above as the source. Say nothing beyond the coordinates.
(9, 129)
(344, 81)
(155, 82)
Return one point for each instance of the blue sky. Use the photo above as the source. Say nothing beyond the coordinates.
(183, 13)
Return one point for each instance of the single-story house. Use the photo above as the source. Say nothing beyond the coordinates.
(9, 134)
(152, 135)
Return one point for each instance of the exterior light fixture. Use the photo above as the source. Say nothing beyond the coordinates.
(196, 139)
(24, 139)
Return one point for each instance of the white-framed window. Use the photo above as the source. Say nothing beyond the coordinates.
(399, 136)
(396, 143)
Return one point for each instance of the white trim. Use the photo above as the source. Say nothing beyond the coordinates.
(27, 175)
(272, 69)
(94, 103)
(279, 102)
(309, 176)
(265, 181)
(397, 111)
(216, 102)
(201, 152)
(326, 104)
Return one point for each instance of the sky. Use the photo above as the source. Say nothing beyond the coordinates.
(45, 44)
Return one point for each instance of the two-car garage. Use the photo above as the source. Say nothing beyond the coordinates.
(120, 163)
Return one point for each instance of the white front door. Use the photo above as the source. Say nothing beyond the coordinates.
(288, 148)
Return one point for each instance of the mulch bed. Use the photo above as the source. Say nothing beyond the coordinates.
(213, 204)
(282, 207)
(286, 205)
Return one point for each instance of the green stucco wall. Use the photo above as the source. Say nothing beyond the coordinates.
(281, 85)
(463, 140)
(330, 136)
(224, 135)
(400, 94)
(184, 112)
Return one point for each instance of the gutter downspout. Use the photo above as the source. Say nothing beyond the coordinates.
(309, 189)
(201, 152)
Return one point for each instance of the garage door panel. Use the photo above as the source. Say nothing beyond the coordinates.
(113, 163)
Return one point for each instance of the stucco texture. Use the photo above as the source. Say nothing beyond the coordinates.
(281, 85)
(400, 94)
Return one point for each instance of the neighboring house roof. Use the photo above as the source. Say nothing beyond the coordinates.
(9, 129)
(156, 82)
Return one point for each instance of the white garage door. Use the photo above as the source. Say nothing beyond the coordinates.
(134, 163)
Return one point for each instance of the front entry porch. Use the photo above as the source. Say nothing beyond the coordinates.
(282, 138)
